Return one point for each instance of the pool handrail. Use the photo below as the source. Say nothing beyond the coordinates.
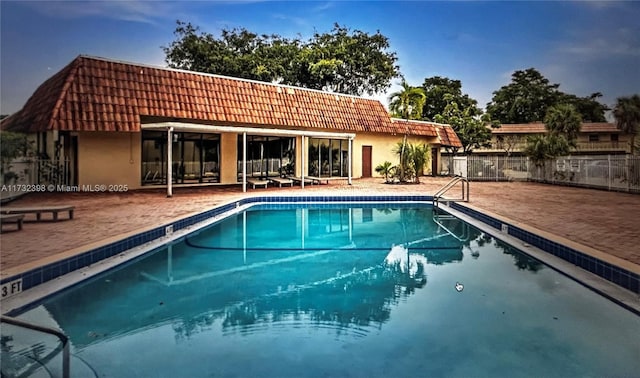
(51, 331)
(456, 179)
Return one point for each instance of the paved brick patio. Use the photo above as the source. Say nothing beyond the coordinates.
(606, 221)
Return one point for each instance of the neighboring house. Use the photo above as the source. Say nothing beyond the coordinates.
(594, 139)
(113, 122)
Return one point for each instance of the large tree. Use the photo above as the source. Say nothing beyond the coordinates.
(345, 61)
(590, 109)
(525, 99)
(435, 89)
(627, 115)
(472, 127)
(529, 95)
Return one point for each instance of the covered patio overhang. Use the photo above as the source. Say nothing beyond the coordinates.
(171, 127)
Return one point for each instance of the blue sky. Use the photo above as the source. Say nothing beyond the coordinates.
(587, 46)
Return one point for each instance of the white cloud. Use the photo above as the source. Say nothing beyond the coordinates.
(134, 10)
(324, 6)
(298, 21)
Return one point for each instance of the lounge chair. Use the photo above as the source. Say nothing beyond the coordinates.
(282, 181)
(257, 182)
(298, 180)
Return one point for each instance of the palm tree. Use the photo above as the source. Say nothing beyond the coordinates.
(385, 169)
(408, 102)
(627, 115)
(419, 155)
(404, 169)
(564, 119)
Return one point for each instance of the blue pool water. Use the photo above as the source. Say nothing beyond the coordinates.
(360, 291)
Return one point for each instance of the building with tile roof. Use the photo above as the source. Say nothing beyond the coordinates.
(599, 138)
(113, 121)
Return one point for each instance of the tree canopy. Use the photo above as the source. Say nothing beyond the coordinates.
(627, 115)
(529, 95)
(435, 88)
(472, 127)
(344, 61)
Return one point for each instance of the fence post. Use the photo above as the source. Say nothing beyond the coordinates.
(629, 173)
(609, 175)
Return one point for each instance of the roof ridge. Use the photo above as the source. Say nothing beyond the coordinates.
(393, 119)
(146, 65)
(70, 76)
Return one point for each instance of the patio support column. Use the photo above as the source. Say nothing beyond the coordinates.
(244, 162)
(350, 161)
(169, 161)
(302, 153)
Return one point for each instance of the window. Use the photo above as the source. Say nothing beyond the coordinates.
(195, 157)
(593, 137)
(267, 156)
(614, 137)
(328, 157)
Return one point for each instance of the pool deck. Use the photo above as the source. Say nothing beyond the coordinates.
(608, 222)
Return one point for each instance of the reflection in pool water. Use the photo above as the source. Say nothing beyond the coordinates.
(342, 292)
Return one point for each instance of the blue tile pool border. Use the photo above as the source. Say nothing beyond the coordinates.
(617, 275)
(622, 277)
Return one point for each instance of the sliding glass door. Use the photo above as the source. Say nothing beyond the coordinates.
(195, 158)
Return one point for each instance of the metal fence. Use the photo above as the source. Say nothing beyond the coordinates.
(611, 172)
(36, 172)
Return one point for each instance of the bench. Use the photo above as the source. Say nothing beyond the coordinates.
(38, 211)
(12, 218)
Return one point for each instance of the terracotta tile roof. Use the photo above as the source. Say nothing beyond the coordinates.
(538, 128)
(448, 136)
(413, 127)
(96, 94)
(445, 134)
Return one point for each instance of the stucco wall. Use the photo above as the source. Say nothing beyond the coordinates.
(382, 150)
(108, 158)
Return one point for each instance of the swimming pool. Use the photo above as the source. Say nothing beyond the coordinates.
(336, 290)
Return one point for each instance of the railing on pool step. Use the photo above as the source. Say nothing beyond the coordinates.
(455, 180)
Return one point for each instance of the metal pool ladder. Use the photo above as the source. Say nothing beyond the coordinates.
(455, 180)
(64, 340)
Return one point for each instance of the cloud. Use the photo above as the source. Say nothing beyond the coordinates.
(600, 4)
(619, 43)
(299, 21)
(133, 11)
(323, 6)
